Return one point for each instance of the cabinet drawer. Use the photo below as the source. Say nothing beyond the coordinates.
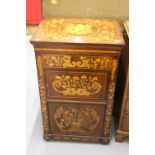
(77, 61)
(75, 84)
(75, 119)
(124, 123)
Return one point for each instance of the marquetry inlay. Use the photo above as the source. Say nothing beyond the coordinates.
(80, 31)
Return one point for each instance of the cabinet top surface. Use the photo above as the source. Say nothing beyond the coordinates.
(79, 30)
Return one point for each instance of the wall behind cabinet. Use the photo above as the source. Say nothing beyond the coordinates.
(86, 8)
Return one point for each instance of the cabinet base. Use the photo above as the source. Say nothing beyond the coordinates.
(47, 137)
(105, 141)
(56, 137)
(120, 135)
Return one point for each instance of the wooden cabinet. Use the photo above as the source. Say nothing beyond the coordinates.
(77, 61)
(121, 106)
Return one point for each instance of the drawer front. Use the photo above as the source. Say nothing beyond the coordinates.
(75, 119)
(77, 61)
(75, 84)
(124, 123)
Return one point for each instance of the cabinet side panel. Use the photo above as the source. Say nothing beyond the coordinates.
(42, 91)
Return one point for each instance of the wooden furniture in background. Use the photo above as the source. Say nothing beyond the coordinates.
(77, 63)
(121, 106)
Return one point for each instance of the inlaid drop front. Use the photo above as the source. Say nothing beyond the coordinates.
(76, 84)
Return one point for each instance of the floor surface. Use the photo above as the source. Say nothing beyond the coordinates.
(38, 146)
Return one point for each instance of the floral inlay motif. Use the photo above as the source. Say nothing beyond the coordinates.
(78, 29)
(76, 85)
(68, 61)
(77, 120)
(86, 30)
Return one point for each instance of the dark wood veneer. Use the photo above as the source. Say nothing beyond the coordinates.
(77, 80)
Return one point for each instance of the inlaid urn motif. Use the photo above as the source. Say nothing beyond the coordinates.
(80, 120)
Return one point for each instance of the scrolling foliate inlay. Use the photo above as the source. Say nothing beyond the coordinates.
(76, 86)
(76, 120)
(42, 95)
(111, 92)
(67, 61)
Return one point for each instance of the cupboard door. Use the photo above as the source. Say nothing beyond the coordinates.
(76, 119)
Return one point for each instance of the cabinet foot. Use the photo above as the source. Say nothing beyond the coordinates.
(47, 137)
(105, 141)
(120, 136)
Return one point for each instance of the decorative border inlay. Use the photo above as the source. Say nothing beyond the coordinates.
(68, 61)
(77, 101)
(75, 138)
(76, 50)
(42, 95)
(111, 92)
(83, 139)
